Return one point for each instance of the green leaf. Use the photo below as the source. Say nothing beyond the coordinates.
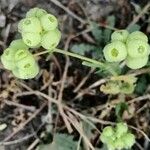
(107, 32)
(119, 109)
(132, 28)
(141, 85)
(60, 142)
(97, 32)
(82, 48)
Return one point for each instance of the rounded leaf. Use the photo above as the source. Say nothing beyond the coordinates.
(115, 51)
(136, 63)
(49, 22)
(51, 39)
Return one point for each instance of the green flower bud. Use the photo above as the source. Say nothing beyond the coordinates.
(31, 39)
(49, 22)
(18, 44)
(120, 35)
(7, 58)
(137, 48)
(137, 35)
(29, 71)
(129, 140)
(121, 129)
(51, 39)
(35, 12)
(31, 25)
(115, 51)
(136, 63)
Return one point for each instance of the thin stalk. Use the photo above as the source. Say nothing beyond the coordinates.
(83, 58)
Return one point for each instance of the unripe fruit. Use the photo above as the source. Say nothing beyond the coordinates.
(51, 39)
(18, 44)
(36, 12)
(7, 63)
(32, 25)
(20, 24)
(28, 59)
(120, 35)
(7, 58)
(129, 140)
(49, 22)
(31, 39)
(136, 63)
(137, 48)
(137, 35)
(115, 51)
(28, 72)
(119, 144)
(21, 54)
(121, 128)
(108, 131)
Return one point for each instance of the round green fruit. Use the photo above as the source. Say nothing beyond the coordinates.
(108, 131)
(21, 54)
(31, 25)
(137, 35)
(49, 22)
(36, 12)
(31, 39)
(137, 48)
(51, 39)
(115, 51)
(18, 44)
(121, 129)
(136, 63)
(120, 35)
(28, 72)
(129, 140)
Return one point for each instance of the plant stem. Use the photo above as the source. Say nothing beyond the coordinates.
(78, 56)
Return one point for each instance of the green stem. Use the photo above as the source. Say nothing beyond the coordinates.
(83, 58)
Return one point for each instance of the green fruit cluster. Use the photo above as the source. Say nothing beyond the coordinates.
(117, 138)
(19, 60)
(40, 29)
(133, 48)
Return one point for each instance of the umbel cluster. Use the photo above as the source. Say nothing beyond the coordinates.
(38, 29)
(132, 48)
(117, 138)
